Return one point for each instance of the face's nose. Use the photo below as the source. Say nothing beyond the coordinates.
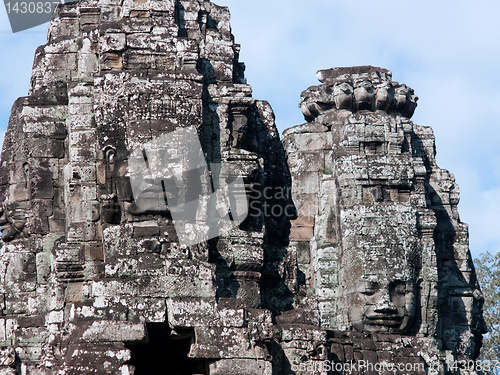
(385, 305)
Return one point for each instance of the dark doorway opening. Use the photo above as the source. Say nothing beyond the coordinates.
(166, 353)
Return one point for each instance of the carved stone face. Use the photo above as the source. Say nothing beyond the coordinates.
(364, 95)
(383, 305)
(15, 203)
(405, 100)
(342, 94)
(384, 96)
(411, 104)
(379, 296)
(400, 93)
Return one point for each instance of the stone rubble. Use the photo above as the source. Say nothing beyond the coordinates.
(368, 262)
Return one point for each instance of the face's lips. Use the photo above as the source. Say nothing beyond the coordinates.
(385, 322)
(380, 319)
(384, 316)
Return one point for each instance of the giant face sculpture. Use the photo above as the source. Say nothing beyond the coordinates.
(16, 203)
(379, 291)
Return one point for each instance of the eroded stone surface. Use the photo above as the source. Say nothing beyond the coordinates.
(94, 280)
(89, 270)
(378, 237)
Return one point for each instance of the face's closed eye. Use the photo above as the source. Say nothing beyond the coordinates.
(398, 293)
(397, 287)
(370, 288)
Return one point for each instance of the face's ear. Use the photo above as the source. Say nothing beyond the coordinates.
(410, 302)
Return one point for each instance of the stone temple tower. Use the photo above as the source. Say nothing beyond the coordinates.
(153, 222)
(90, 272)
(378, 239)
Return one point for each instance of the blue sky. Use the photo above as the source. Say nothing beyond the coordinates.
(447, 51)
